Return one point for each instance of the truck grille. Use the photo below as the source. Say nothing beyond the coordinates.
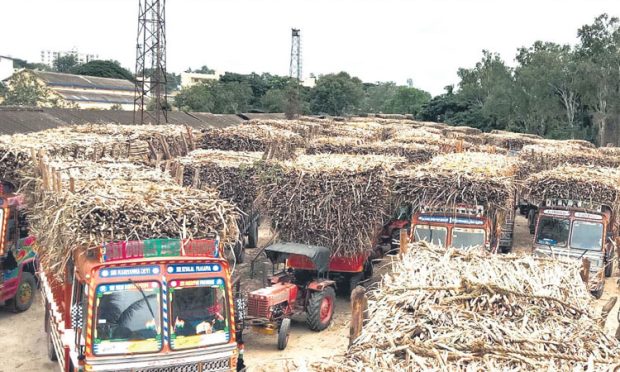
(217, 365)
(257, 307)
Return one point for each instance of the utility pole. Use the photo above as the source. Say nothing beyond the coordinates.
(151, 63)
(295, 66)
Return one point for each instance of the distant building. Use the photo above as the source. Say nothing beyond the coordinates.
(310, 82)
(6, 67)
(77, 91)
(49, 56)
(189, 79)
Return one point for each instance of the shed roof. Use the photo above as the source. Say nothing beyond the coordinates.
(57, 79)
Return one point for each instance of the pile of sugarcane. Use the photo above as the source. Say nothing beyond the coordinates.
(77, 207)
(331, 200)
(306, 129)
(552, 154)
(139, 144)
(597, 185)
(414, 152)
(251, 138)
(470, 310)
(164, 141)
(510, 140)
(460, 178)
(233, 174)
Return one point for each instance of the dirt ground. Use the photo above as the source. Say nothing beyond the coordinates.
(22, 340)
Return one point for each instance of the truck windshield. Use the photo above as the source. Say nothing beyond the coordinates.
(466, 238)
(587, 235)
(432, 234)
(199, 313)
(127, 318)
(553, 231)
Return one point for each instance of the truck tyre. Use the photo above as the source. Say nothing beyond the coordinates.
(239, 251)
(598, 293)
(283, 333)
(253, 235)
(609, 265)
(321, 309)
(368, 269)
(354, 281)
(531, 220)
(51, 352)
(25, 293)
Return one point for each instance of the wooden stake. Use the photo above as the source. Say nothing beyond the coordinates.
(607, 309)
(359, 304)
(404, 242)
(585, 271)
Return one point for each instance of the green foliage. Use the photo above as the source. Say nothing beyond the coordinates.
(106, 69)
(26, 90)
(406, 101)
(337, 94)
(216, 97)
(65, 63)
(203, 70)
(20, 63)
(259, 84)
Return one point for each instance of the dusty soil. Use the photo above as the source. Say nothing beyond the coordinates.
(22, 340)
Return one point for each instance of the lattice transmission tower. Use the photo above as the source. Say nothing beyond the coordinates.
(151, 63)
(295, 67)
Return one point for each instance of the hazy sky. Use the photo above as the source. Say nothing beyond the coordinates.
(376, 40)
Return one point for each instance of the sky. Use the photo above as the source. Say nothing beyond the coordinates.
(378, 40)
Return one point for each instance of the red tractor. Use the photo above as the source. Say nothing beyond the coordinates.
(269, 309)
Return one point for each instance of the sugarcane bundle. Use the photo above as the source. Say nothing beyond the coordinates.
(463, 129)
(100, 211)
(306, 129)
(510, 140)
(19, 152)
(164, 141)
(335, 201)
(548, 156)
(585, 183)
(234, 174)
(469, 178)
(343, 130)
(251, 138)
(458, 310)
(470, 138)
(413, 152)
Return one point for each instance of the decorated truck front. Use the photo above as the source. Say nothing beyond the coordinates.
(460, 227)
(156, 305)
(18, 263)
(579, 230)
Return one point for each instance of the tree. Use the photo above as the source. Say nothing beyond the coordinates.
(216, 97)
(65, 63)
(20, 63)
(377, 95)
(106, 69)
(203, 70)
(407, 101)
(336, 94)
(599, 56)
(24, 89)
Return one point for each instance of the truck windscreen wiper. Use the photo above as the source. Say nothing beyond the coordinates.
(143, 296)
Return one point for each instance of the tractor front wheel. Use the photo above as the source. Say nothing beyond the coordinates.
(253, 235)
(321, 309)
(25, 293)
(283, 333)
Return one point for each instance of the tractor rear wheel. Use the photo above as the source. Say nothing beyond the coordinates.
(253, 235)
(354, 281)
(239, 251)
(25, 293)
(321, 309)
(609, 265)
(283, 333)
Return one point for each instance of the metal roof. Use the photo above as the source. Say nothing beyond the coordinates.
(15, 119)
(90, 96)
(57, 79)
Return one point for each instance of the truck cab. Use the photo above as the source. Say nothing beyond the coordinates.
(577, 229)
(18, 263)
(460, 227)
(390, 234)
(156, 305)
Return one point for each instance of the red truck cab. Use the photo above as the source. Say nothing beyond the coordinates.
(156, 305)
(460, 227)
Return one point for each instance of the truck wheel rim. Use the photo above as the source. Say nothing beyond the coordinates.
(25, 293)
(326, 309)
